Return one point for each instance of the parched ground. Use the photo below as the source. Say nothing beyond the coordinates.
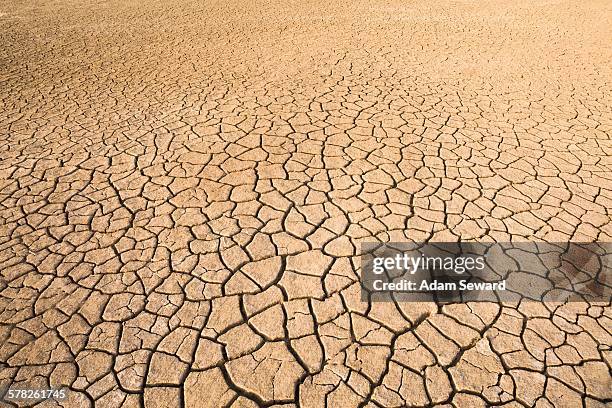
(184, 187)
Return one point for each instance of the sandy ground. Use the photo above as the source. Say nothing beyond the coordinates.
(184, 187)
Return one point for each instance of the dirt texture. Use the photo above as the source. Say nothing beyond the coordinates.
(185, 185)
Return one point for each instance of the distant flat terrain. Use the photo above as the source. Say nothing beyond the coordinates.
(185, 186)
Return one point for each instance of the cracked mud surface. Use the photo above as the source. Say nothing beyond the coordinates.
(184, 186)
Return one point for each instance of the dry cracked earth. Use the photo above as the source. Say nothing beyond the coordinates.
(184, 187)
